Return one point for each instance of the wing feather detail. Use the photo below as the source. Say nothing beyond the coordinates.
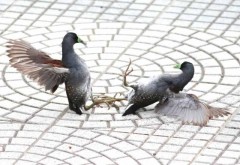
(36, 65)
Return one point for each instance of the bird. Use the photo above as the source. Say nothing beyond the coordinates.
(189, 109)
(40, 67)
(165, 89)
(154, 88)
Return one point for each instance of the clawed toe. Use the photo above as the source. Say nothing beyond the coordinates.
(77, 110)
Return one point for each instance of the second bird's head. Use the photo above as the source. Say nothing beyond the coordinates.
(70, 36)
(185, 66)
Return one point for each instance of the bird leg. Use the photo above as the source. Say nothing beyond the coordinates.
(103, 99)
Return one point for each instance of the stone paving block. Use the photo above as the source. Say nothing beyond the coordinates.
(19, 162)
(211, 152)
(60, 155)
(68, 123)
(139, 154)
(205, 159)
(61, 130)
(224, 138)
(119, 135)
(47, 143)
(196, 143)
(32, 157)
(98, 147)
(123, 146)
(7, 161)
(22, 141)
(177, 141)
(151, 147)
(125, 160)
(165, 155)
(149, 161)
(54, 137)
(50, 161)
(114, 154)
(77, 160)
(4, 140)
(234, 147)
(226, 161)
(10, 155)
(86, 153)
(106, 140)
(137, 137)
(34, 127)
(39, 150)
(100, 117)
(90, 124)
(28, 134)
(150, 121)
(7, 133)
(206, 137)
(41, 120)
(231, 154)
(115, 124)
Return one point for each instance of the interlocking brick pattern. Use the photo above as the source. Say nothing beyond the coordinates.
(38, 128)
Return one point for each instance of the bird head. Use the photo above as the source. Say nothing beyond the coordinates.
(184, 65)
(75, 38)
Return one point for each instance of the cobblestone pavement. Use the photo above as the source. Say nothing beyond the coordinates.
(38, 128)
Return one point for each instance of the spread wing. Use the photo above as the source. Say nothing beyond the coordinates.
(37, 65)
(189, 109)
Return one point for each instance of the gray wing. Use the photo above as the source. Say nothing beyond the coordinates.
(188, 109)
(37, 65)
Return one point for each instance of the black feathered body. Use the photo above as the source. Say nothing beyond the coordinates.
(78, 84)
(154, 89)
(148, 91)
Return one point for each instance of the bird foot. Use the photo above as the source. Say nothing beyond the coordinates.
(78, 111)
(129, 113)
(103, 99)
(126, 73)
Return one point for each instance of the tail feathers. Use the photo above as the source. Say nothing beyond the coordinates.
(217, 112)
(131, 109)
(189, 109)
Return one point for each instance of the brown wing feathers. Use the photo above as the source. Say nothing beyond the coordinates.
(189, 109)
(36, 65)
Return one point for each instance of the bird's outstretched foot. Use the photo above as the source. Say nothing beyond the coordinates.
(102, 99)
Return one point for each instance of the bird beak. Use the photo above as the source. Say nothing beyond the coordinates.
(84, 43)
(177, 66)
(81, 41)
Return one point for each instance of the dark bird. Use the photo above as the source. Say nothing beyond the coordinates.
(40, 67)
(154, 89)
(165, 89)
(189, 109)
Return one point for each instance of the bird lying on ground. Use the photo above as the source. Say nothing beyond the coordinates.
(165, 90)
(49, 72)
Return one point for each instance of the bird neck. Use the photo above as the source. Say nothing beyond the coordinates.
(188, 75)
(67, 48)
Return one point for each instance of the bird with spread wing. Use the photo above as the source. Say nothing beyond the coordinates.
(40, 67)
(165, 89)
